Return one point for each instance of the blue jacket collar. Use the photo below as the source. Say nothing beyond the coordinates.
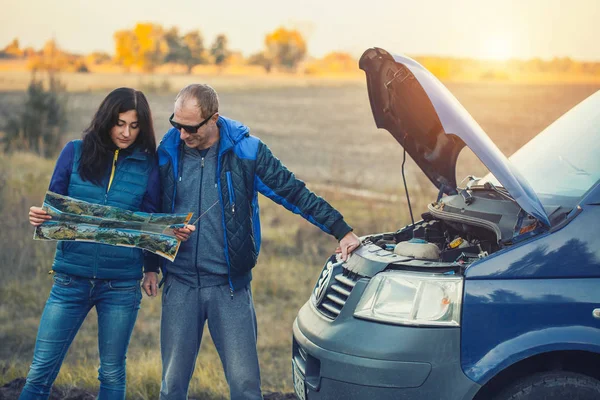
(136, 153)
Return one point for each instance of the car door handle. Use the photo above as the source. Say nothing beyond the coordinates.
(596, 313)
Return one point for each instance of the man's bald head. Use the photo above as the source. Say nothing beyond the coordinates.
(202, 96)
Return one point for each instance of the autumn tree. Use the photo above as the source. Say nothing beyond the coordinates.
(261, 59)
(98, 57)
(219, 50)
(51, 58)
(340, 62)
(151, 45)
(194, 45)
(12, 49)
(187, 49)
(285, 47)
(125, 48)
(51, 54)
(562, 64)
(144, 47)
(176, 49)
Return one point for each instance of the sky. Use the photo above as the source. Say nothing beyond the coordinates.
(486, 29)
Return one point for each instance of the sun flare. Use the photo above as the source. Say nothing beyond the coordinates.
(497, 48)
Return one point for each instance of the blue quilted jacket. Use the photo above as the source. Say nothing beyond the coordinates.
(245, 167)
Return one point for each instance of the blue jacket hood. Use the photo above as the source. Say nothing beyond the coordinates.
(231, 132)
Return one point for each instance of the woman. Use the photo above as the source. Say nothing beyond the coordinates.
(115, 165)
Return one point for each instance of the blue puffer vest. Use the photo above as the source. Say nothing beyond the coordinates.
(101, 261)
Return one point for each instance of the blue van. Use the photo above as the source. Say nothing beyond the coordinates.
(494, 293)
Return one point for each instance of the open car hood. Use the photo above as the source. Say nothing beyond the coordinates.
(433, 127)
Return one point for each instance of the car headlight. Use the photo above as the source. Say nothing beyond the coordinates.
(407, 298)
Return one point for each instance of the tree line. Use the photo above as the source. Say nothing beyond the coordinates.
(149, 45)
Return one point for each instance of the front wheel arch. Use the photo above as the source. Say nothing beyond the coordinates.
(553, 385)
(579, 362)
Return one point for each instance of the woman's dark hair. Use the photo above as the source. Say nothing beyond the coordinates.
(97, 148)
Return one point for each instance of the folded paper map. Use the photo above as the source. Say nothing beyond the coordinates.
(79, 220)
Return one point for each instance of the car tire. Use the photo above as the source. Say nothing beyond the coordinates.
(556, 385)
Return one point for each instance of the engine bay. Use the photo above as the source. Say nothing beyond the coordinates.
(462, 228)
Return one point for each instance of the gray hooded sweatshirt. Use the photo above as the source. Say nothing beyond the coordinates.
(200, 261)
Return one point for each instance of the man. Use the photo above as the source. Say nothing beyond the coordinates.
(211, 165)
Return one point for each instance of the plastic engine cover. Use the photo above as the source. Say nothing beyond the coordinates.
(418, 248)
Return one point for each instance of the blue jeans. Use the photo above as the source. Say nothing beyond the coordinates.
(117, 303)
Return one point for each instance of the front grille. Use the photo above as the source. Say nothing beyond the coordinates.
(302, 353)
(337, 294)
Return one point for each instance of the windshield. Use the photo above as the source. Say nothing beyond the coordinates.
(563, 161)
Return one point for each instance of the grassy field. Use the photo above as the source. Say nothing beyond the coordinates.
(326, 135)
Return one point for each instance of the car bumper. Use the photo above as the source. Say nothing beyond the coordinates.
(350, 358)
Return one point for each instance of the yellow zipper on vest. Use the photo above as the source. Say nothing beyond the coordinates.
(112, 172)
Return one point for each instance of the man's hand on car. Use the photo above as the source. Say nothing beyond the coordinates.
(348, 244)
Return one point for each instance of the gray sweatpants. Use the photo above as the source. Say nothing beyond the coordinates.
(232, 326)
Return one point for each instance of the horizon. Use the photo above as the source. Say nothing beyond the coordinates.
(489, 31)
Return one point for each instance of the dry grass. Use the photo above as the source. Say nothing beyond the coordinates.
(323, 133)
(233, 78)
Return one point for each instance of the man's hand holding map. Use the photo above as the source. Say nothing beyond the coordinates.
(82, 221)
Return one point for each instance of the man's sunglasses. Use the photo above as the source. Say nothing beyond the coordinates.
(188, 128)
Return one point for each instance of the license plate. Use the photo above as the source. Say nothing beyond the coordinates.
(299, 386)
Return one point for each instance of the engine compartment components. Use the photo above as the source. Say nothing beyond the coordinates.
(418, 248)
(438, 241)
